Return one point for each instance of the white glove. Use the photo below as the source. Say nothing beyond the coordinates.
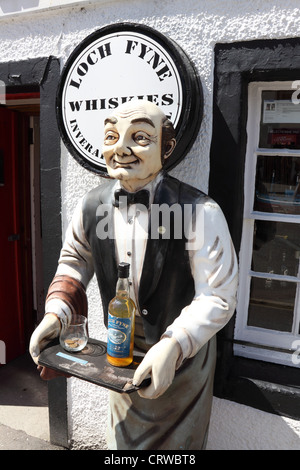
(48, 329)
(160, 363)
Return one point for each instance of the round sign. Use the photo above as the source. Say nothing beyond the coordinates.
(120, 63)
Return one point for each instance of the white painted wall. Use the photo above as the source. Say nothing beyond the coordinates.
(239, 427)
(196, 25)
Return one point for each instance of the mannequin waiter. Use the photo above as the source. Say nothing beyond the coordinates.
(184, 292)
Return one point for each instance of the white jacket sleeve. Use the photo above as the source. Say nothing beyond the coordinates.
(75, 260)
(214, 268)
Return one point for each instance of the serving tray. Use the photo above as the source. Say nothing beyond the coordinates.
(91, 365)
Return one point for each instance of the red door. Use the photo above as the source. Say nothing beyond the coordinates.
(15, 245)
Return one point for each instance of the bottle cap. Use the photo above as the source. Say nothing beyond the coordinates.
(123, 270)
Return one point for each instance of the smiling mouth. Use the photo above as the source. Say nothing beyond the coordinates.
(124, 164)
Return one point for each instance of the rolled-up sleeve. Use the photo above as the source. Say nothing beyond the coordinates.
(215, 272)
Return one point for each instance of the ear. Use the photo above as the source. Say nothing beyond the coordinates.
(169, 148)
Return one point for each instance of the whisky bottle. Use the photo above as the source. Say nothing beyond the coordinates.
(121, 316)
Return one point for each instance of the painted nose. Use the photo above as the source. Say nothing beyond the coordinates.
(122, 148)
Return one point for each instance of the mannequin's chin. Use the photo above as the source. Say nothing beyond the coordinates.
(123, 174)
(132, 180)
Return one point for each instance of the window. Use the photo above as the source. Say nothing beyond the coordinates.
(268, 312)
(254, 160)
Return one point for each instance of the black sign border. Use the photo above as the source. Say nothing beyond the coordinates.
(192, 106)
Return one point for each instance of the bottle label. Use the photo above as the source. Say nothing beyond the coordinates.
(119, 332)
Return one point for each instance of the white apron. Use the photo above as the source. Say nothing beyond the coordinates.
(178, 420)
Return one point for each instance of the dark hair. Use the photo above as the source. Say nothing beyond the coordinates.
(168, 133)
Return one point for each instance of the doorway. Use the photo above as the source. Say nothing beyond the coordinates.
(20, 231)
(42, 75)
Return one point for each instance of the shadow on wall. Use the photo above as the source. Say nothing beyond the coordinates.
(14, 6)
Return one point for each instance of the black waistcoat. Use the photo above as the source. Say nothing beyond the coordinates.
(166, 284)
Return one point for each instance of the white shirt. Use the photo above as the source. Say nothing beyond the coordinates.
(213, 265)
(131, 233)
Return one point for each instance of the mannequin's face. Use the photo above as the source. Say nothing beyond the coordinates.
(132, 143)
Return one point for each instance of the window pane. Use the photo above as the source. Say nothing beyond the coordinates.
(271, 304)
(277, 186)
(280, 121)
(276, 248)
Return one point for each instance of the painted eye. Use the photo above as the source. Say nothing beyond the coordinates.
(141, 138)
(110, 138)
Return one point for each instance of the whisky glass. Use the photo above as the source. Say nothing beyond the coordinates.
(74, 337)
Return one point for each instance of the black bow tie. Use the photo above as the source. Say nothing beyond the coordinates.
(140, 197)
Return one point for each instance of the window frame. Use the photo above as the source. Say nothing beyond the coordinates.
(267, 386)
(251, 338)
